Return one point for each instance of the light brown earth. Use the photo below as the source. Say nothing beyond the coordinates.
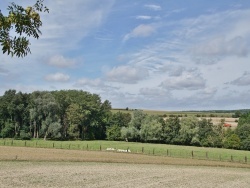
(37, 167)
(111, 175)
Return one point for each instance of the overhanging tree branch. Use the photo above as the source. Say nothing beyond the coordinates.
(25, 23)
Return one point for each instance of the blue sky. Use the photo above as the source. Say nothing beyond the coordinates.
(144, 54)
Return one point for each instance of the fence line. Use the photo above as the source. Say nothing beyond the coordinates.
(204, 155)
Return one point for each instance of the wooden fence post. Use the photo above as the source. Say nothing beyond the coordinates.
(87, 147)
(167, 152)
(206, 155)
(12, 142)
(25, 143)
(53, 144)
(100, 147)
(142, 149)
(232, 158)
(245, 159)
(153, 151)
(192, 153)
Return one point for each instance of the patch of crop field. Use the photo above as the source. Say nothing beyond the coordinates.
(216, 154)
(232, 121)
(25, 174)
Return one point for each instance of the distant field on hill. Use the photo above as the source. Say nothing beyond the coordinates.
(179, 113)
(215, 116)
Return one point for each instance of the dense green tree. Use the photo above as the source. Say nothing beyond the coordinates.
(116, 122)
(151, 129)
(171, 130)
(8, 130)
(24, 23)
(130, 133)
(75, 117)
(121, 119)
(245, 144)
(113, 132)
(13, 110)
(56, 115)
(103, 118)
(244, 119)
(188, 130)
(137, 119)
(43, 113)
(243, 131)
(63, 101)
(205, 132)
(232, 142)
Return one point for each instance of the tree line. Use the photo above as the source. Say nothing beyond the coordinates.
(80, 115)
(65, 114)
(189, 131)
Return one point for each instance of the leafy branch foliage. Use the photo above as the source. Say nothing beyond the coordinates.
(25, 22)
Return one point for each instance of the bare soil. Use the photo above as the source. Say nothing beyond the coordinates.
(22, 167)
(24, 174)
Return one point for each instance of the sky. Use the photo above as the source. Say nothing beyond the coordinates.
(143, 54)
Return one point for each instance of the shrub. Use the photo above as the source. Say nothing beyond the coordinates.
(24, 135)
(232, 142)
(113, 132)
(245, 145)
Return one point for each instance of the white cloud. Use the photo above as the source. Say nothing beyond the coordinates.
(61, 62)
(143, 30)
(62, 30)
(153, 7)
(89, 82)
(57, 77)
(172, 70)
(143, 17)
(153, 92)
(127, 74)
(244, 80)
(220, 46)
(185, 82)
(207, 93)
(3, 71)
(212, 37)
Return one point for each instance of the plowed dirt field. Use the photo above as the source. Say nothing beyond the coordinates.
(38, 168)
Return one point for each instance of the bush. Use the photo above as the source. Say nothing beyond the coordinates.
(245, 145)
(113, 132)
(8, 131)
(24, 135)
(232, 142)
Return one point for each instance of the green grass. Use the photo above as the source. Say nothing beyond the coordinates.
(145, 148)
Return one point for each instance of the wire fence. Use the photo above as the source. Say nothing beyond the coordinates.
(157, 151)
